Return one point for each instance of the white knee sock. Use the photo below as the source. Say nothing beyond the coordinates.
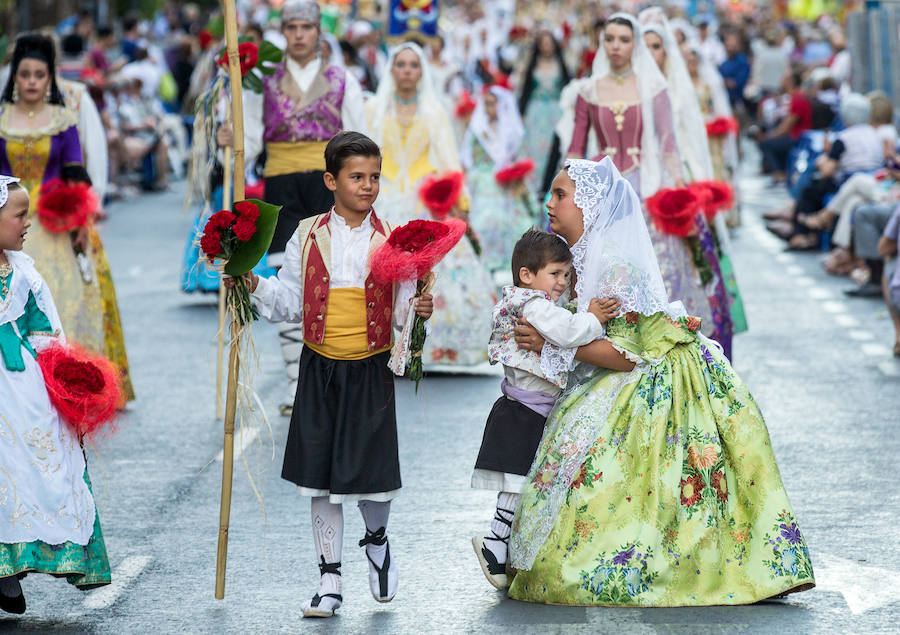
(498, 541)
(375, 515)
(328, 534)
(291, 338)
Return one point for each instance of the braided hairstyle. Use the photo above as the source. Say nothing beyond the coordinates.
(38, 47)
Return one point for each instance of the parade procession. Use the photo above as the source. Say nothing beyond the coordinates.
(588, 307)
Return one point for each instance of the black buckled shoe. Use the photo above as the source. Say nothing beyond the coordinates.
(315, 607)
(382, 580)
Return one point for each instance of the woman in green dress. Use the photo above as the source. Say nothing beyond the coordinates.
(655, 484)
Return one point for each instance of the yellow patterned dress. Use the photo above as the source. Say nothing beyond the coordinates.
(657, 487)
(87, 303)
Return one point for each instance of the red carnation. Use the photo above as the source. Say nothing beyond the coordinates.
(722, 126)
(673, 210)
(85, 388)
(412, 250)
(248, 53)
(247, 210)
(440, 193)
(211, 243)
(515, 172)
(66, 206)
(205, 39)
(222, 219)
(715, 196)
(248, 214)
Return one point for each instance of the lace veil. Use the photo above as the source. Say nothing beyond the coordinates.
(501, 143)
(689, 123)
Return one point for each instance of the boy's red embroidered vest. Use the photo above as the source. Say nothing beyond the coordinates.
(315, 237)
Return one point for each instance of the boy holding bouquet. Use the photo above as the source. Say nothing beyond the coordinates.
(342, 443)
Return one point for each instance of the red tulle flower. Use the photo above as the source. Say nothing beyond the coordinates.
(248, 53)
(465, 105)
(412, 250)
(85, 388)
(440, 193)
(673, 210)
(515, 172)
(248, 214)
(721, 126)
(66, 206)
(715, 196)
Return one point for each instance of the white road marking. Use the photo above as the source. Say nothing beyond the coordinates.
(847, 321)
(876, 350)
(128, 570)
(805, 281)
(784, 258)
(244, 441)
(834, 307)
(864, 588)
(890, 368)
(861, 336)
(818, 293)
(793, 270)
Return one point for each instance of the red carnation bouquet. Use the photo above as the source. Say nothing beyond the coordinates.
(715, 196)
(410, 253)
(674, 210)
(85, 388)
(239, 238)
(439, 193)
(64, 206)
(515, 172)
(722, 126)
(252, 57)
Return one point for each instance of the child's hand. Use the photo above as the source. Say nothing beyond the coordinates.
(424, 305)
(250, 279)
(604, 310)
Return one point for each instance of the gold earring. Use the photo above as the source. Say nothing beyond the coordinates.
(47, 94)
(15, 93)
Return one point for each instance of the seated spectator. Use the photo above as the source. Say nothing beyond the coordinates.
(146, 69)
(777, 144)
(858, 148)
(100, 56)
(887, 249)
(143, 142)
(72, 57)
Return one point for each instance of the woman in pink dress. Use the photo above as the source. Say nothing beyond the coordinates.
(626, 104)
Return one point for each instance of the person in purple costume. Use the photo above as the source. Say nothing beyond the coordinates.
(304, 104)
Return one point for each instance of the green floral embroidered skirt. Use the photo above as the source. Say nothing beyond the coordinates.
(673, 499)
(85, 566)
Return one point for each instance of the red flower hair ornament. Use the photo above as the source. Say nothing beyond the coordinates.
(440, 193)
(722, 126)
(674, 210)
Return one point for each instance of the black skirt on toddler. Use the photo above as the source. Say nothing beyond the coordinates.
(512, 435)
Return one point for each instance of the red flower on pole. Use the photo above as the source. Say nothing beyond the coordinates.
(673, 210)
(722, 126)
(248, 54)
(412, 250)
(715, 196)
(515, 172)
(440, 193)
(85, 388)
(66, 206)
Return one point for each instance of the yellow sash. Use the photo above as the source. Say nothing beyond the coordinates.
(288, 158)
(345, 326)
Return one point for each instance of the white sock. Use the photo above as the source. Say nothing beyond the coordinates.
(375, 515)
(10, 587)
(328, 534)
(291, 338)
(498, 541)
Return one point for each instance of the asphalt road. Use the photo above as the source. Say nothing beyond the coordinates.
(818, 363)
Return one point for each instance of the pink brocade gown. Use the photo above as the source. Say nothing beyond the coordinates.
(618, 129)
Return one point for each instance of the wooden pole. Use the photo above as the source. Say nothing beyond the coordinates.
(237, 117)
(220, 352)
